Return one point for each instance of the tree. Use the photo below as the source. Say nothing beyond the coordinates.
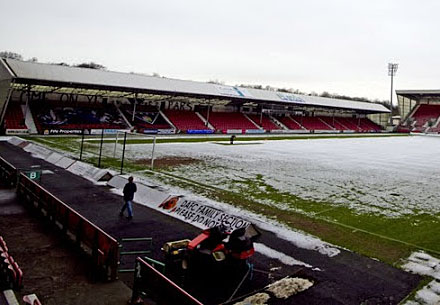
(216, 81)
(11, 55)
(91, 65)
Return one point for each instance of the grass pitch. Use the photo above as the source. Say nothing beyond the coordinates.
(378, 235)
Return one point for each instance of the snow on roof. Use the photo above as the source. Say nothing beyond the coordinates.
(73, 76)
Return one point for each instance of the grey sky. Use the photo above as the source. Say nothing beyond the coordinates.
(337, 46)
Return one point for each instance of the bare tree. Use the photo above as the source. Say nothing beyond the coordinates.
(11, 55)
(91, 65)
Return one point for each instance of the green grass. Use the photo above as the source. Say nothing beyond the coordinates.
(195, 139)
(388, 239)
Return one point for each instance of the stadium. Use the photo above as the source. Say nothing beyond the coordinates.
(51, 99)
(346, 209)
(419, 111)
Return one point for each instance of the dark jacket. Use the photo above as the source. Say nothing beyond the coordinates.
(129, 190)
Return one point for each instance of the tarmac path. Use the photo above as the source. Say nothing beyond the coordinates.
(347, 278)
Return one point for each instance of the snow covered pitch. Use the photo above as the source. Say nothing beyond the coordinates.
(393, 177)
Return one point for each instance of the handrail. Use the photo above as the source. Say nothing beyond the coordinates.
(148, 278)
(8, 172)
(105, 249)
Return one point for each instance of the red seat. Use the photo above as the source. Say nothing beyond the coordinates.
(229, 120)
(289, 123)
(263, 121)
(185, 120)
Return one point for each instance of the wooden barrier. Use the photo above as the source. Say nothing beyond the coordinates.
(8, 173)
(154, 284)
(104, 248)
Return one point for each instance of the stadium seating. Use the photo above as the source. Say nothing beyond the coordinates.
(289, 123)
(185, 120)
(265, 122)
(229, 120)
(424, 114)
(14, 118)
(368, 125)
(78, 116)
(11, 275)
(146, 118)
(312, 123)
(350, 123)
(333, 122)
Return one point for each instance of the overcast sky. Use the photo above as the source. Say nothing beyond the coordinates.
(312, 45)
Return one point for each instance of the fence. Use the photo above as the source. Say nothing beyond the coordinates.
(157, 286)
(104, 248)
(11, 275)
(8, 173)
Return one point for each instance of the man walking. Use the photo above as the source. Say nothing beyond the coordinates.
(129, 190)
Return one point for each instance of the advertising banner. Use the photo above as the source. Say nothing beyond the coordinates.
(65, 131)
(254, 131)
(289, 97)
(166, 131)
(150, 131)
(200, 215)
(16, 131)
(196, 213)
(231, 131)
(198, 131)
(233, 91)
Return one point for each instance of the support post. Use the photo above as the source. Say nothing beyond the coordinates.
(27, 101)
(82, 145)
(134, 108)
(123, 152)
(100, 147)
(391, 101)
(152, 153)
(116, 143)
(207, 116)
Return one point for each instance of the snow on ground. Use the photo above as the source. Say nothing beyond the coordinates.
(371, 175)
(284, 258)
(428, 295)
(424, 264)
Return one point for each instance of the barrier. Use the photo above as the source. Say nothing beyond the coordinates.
(157, 286)
(147, 240)
(104, 248)
(8, 173)
(11, 275)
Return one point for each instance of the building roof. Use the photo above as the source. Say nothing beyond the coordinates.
(418, 94)
(72, 77)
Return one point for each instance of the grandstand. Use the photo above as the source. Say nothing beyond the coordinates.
(49, 116)
(61, 99)
(14, 118)
(291, 123)
(224, 121)
(145, 119)
(312, 123)
(264, 122)
(334, 123)
(420, 111)
(187, 121)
